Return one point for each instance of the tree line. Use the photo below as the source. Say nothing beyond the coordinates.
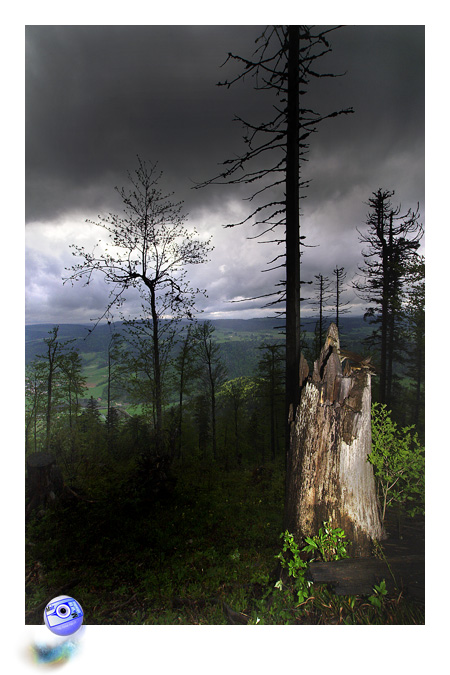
(188, 404)
(203, 414)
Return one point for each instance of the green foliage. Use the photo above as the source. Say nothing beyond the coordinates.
(398, 459)
(238, 389)
(178, 554)
(295, 566)
(298, 601)
(249, 410)
(379, 595)
(330, 543)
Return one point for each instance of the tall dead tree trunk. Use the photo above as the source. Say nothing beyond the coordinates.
(330, 478)
(292, 223)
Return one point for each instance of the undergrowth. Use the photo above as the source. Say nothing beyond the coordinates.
(206, 553)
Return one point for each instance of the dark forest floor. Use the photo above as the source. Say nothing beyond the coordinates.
(406, 542)
(202, 554)
(405, 536)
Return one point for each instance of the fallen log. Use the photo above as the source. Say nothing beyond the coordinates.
(358, 576)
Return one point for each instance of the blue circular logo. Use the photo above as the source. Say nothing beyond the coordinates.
(63, 615)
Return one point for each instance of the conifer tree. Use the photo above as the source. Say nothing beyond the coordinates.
(392, 241)
(112, 417)
(74, 383)
(53, 359)
(339, 306)
(35, 396)
(186, 372)
(323, 295)
(236, 393)
(415, 329)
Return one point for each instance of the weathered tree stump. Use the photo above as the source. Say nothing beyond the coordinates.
(329, 477)
(44, 480)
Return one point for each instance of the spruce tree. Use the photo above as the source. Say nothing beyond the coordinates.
(415, 330)
(323, 295)
(340, 307)
(391, 242)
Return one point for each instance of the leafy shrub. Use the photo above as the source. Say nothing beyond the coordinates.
(398, 459)
(379, 594)
(330, 543)
(295, 566)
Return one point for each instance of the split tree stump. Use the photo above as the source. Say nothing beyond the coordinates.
(329, 477)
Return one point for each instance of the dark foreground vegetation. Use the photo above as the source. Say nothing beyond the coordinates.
(191, 545)
(180, 537)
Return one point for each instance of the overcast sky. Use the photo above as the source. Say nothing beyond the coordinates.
(97, 96)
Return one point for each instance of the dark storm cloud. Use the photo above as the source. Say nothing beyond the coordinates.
(96, 96)
(385, 83)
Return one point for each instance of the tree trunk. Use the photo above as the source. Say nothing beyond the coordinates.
(44, 480)
(329, 476)
(418, 387)
(380, 229)
(51, 362)
(213, 420)
(156, 372)
(272, 424)
(292, 225)
(108, 417)
(180, 422)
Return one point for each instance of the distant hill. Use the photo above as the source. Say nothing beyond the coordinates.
(246, 325)
(229, 332)
(239, 339)
(98, 339)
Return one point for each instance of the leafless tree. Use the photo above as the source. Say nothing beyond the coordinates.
(149, 249)
(284, 63)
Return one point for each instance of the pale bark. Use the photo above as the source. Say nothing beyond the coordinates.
(330, 478)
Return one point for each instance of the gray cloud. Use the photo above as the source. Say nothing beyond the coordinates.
(96, 96)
